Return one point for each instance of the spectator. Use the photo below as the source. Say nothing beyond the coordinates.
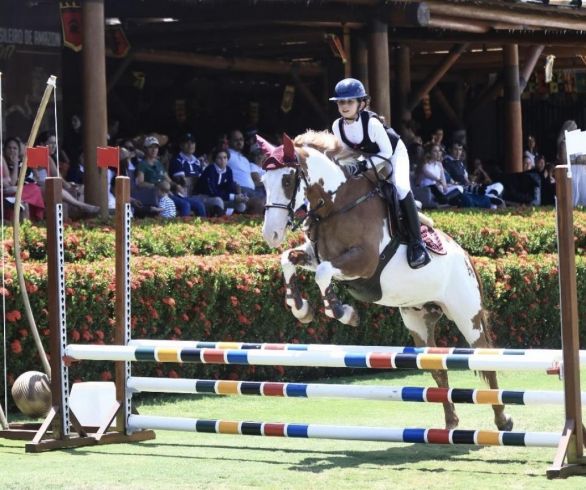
(166, 206)
(217, 182)
(70, 192)
(454, 165)
(479, 175)
(530, 150)
(32, 196)
(246, 174)
(186, 168)
(150, 171)
(437, 138)
(545, 173)
(186, 205)
(432, 175)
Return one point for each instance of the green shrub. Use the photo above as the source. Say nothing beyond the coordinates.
(481, 233)
(242, 299)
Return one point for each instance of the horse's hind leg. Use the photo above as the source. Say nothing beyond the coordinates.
(501, 419)
(301, 256)
(472, 324)
(421, 323)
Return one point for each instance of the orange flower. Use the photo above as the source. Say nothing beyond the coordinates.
(169, 301)
(16, 346)
(13, 316)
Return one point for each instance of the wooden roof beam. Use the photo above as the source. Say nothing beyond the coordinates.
(227, 64)
(547, 37)
(437, 74)
(550, 18)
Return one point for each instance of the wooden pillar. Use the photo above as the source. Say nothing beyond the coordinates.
(95, 124)
(378, 69)
(571, 447)
(403, 89)
(513, 116)
(360, 61)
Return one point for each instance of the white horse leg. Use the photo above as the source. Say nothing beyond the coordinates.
(421, 323)
(334, 308)
(464, 307)
(299, 256)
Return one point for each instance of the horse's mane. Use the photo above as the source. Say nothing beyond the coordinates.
(326, 143)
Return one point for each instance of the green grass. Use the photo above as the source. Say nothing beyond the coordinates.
(185, 460)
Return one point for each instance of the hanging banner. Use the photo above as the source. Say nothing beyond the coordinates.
(288, 98)
(71, 25)
(117, 42)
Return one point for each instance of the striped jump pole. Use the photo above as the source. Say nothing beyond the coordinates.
(200, 344)
(372, 360)
(364, 392)
(358, 433)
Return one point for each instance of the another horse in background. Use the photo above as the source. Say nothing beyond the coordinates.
(348, 239)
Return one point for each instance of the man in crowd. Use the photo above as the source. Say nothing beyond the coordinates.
(186, 168)
(246, 174)
(454, 165)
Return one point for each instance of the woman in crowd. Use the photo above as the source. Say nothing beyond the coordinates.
(32, 196)
(432, 175)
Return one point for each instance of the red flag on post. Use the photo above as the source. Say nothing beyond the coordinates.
(38, 157)
(108, 156)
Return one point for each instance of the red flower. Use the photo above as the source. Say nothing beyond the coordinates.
(4, 292)
(234, 300)
(169, 301)
(75, 335)
(16, 346)
(13, 316)
(106, 376)
(173, 374)
(23, 332)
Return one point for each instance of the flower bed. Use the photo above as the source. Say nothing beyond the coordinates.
(242, 298)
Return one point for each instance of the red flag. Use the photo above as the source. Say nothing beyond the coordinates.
(71, 24)
(108, 156)
(38, 157)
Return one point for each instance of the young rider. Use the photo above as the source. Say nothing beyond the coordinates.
(362, 130)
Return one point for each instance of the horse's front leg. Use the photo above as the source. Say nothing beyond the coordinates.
(334, 308)
(304, 257)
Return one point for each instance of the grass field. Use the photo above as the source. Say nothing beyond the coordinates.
(197, 461)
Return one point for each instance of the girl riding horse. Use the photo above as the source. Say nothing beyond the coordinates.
(361, 130)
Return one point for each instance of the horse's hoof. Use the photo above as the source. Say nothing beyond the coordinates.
(507, 425)
(305, 313)
(452, 423)
(350, 317)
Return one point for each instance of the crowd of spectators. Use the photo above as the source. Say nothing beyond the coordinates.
(172, 179)
(445, 176)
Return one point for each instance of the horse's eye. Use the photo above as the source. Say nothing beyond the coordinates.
(321, 202)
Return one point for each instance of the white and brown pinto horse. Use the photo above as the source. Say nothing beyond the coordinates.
(346, 238)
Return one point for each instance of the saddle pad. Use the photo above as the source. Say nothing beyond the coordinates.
(432, 240)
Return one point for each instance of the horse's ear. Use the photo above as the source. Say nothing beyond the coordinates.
(288, 149)
(264, 146)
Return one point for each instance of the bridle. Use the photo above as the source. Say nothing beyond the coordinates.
(291, 205)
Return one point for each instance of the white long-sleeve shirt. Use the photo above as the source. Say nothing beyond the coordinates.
(377, 134)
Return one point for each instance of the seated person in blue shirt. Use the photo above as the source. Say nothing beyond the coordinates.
(217, 188)
(186, 167)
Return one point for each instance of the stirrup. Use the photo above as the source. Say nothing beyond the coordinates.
(422, 260)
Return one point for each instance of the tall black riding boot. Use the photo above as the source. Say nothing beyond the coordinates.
(417, 255)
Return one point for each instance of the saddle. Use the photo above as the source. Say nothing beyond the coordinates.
(369, 289)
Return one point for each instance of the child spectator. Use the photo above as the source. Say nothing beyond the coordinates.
(166, 207)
